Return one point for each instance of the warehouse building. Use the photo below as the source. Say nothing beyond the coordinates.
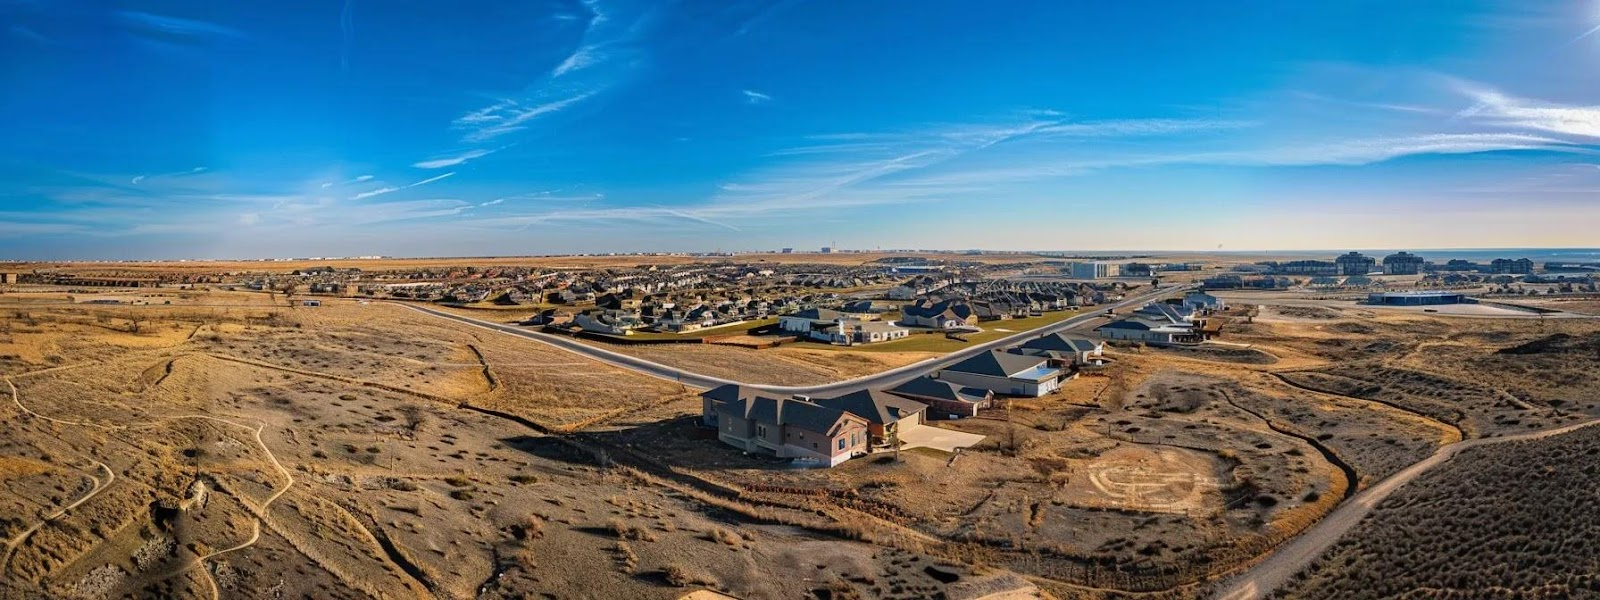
(1417, 298)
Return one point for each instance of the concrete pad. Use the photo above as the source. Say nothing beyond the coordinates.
(928, 436)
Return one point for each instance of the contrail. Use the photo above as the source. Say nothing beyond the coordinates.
(1584, 35)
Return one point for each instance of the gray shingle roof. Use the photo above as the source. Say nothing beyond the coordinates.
(1061, 343)
(927, 387)
(995, 363)
(874, 406)
(749, 403)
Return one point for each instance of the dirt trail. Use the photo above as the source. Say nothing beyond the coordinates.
(19, 539)
(1460, 432)
(1351, 479)
(255, 534)
(1297, 554)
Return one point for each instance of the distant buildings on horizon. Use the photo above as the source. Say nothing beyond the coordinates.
(1353, 264)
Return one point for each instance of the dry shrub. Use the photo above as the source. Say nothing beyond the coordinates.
(531, 528)
(680, 576)
(627, 560)
(718, 534)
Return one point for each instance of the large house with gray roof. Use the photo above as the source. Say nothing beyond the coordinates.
(945, 400)
(834, 327)
(886, 414)
(1005, 373)
(1157, 323)
(797, 427)
(1069, 350)
(947, 314)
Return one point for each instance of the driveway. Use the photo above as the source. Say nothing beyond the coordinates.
(928, 436)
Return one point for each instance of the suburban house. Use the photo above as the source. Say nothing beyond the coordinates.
(1005, 373)
(947, 314)
(609, 322)
(1203, 302)
(945, 400)
(549, 316)
(834, 327)
(1068, 349)
(850, 332)
(886, 414)
(795, 427)
(810, 322)
(1157, 323)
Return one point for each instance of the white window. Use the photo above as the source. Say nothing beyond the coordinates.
(841, 443)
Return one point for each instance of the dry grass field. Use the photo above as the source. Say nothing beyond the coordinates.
(1510, 521)
(222, 447)
(334, 453)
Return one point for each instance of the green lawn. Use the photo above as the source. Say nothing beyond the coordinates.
(936, 342)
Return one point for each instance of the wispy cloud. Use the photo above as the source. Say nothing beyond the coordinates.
(604, 56)
(509, 116)
(1502, 110)
(755, 97)
(1373, 150)
(451, 161)
(177, 27)
(354, 180)
(377, 192)
(28, 34)
(390, 189)
(580, 58)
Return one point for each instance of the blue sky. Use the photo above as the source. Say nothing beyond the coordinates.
(187, 129)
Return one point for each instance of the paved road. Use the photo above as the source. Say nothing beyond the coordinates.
(885, 379)
(1295, 555)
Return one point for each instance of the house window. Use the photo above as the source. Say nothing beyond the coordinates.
(761, 430)
(841, 443)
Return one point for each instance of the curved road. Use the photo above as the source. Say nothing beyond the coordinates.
(885, 379)
(1293, 556)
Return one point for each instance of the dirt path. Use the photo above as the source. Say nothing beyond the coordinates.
(1295, 555)
(255, 534)
(13, 543)
(1445, 426)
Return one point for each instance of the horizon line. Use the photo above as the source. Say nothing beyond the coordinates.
(797, 252)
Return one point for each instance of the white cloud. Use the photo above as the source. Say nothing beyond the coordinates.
(165, 25)
(755, 97)
(1496, 108)
(508, 116)
(451, 161)
(580, 58)
(431, 179)
(249, 219)
(388, 189)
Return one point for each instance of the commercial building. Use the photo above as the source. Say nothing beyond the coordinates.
(1305, 267)
(1506, 266)
(1417, 298)
(1095, 270)
(1402, 263)
(1355, 263)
